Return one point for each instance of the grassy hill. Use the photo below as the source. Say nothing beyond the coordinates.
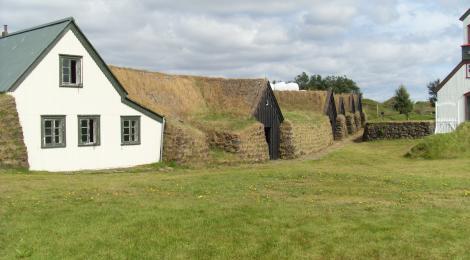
(422, 111)
(444, 146)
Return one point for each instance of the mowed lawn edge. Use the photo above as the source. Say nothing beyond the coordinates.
(365, 200)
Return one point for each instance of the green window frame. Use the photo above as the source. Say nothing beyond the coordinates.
(130, 130)
(71, 71)
(53, 131)
(89, 131)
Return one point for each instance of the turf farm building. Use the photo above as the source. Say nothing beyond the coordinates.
(224, 120)
(73, 113)
(453, 94)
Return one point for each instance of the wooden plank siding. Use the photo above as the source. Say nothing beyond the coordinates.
(330, 110)
(269, 114)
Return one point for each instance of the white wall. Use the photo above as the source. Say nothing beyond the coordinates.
(450, 106)
(40, 94)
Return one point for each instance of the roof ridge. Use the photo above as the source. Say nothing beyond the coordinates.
(68, 19)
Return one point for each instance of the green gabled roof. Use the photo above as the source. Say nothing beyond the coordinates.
(19, 50)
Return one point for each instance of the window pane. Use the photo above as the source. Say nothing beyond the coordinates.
(48, 123)
(57, 123)
(84, 139)
(79, 71)
(126, 123)
(48, 140)
(84, 131)
(126, 130)
(47, 131)
(57, 139)
(92, 131)
(73, 70)
(84, 123)
(126, 138)
(134, 123)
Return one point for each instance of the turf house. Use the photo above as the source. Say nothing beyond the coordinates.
(453, 94)
(310, 120)
(210, 119)
(63, 110)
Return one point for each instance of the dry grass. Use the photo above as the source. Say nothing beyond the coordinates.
(192, 98)
(313, 101)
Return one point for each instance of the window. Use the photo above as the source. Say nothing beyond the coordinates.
(52, 131)
(468, 34)
(88, 130)
(70, 71)
(130, 130)
(468, 70)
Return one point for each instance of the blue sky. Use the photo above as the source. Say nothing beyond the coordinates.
(379, 44)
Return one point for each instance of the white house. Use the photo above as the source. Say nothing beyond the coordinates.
(73, 112)
(453, 96)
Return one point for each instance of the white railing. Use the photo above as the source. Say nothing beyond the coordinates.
(446, 126)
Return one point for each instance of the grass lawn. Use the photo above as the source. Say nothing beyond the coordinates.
(363, 201)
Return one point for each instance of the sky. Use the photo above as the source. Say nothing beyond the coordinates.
(379, 44)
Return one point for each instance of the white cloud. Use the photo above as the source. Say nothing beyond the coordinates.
(379, 44)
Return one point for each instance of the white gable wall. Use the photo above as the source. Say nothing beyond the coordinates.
(450, 106)
(40, 94)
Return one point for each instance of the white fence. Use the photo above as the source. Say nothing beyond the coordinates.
(446, 126)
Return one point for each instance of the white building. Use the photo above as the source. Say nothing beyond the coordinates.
(453, 96)
(73, 112)
(283, 86)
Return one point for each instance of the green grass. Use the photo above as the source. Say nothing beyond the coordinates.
(421, 111)
(364, 201)
(444, 146)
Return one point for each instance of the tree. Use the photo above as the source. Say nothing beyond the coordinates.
(432, 91)
(402, 102)
(302, 80)
(338, 84)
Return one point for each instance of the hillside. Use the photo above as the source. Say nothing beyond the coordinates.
(422, 111)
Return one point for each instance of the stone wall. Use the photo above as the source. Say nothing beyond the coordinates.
(299, 139)
(341, 129)
(13, 152)
(397, 130)
(350, 123)
(183, 144)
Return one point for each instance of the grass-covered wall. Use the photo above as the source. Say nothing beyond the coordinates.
(13, 152)
(307, 128)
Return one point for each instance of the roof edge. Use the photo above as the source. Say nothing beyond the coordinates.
(464, 16)
(451, 74)
(68, 19)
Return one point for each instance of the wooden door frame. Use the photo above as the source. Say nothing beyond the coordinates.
(467, 115)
